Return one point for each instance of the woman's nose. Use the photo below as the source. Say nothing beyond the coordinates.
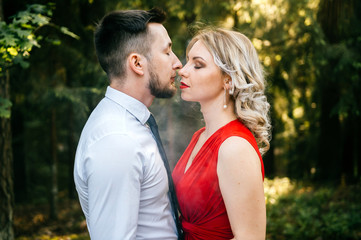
(181, 72)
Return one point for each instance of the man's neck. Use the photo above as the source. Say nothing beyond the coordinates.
(135, 89)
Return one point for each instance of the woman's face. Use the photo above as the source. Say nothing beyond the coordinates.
(202, 80)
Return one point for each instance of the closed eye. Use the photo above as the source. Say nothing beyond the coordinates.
(198, 65)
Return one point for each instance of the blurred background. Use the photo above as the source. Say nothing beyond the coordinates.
(51, 81)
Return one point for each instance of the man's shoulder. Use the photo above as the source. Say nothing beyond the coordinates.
(104, 120)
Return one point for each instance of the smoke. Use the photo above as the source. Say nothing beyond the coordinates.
(177, 121)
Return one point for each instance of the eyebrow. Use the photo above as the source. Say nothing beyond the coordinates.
(196, 57)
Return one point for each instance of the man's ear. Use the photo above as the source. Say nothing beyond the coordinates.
(137, 63)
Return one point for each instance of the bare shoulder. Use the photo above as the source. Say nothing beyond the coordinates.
(237, 147)
(237, 153)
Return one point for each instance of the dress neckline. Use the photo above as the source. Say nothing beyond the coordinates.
(204, 144)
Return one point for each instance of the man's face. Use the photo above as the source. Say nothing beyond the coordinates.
(163, 63)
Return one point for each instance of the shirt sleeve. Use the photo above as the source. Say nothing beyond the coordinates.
(114, 173)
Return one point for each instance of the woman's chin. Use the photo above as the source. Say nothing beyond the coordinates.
(185, 98)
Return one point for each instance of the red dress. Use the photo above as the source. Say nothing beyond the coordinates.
(204, 214)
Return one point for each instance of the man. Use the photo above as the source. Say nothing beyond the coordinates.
(119, 173)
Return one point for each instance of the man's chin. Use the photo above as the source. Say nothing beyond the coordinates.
(161, 91)
(165, 93)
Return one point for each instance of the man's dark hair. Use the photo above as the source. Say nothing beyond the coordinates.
(122, 32)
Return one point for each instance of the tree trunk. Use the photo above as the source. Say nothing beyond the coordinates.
(6, 168)
(351, 150)
(356, 153)
(54, 168)
(356, 149)
(329, 160)
(71, 156)
(336, 18)
(19, 155)
(347, 151)
(6, 162)
(1, 11)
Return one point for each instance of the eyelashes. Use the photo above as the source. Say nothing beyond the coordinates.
(198, 66)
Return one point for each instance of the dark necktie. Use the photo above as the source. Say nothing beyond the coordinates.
(173, 198)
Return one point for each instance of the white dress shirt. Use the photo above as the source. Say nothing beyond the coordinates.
(119, 174)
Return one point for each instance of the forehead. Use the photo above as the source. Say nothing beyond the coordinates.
(199, 49)
(159, 34)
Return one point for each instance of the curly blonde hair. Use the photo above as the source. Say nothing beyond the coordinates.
(235, 55)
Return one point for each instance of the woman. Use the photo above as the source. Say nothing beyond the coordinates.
(219, 178)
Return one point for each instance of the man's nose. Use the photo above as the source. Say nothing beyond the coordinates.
(177, 64)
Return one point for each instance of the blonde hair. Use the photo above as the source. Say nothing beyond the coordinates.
(235, 55)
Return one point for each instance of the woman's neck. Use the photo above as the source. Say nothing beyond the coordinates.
(215, 116)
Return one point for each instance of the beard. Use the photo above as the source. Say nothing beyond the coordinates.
(156, 88)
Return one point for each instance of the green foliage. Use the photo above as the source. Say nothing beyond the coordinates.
(304, 212)
(18, 38)
(347, 71)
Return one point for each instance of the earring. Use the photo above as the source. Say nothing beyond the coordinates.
(225, 99)
(231, 89)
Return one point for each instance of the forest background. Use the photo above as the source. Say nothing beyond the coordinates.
(50, 81)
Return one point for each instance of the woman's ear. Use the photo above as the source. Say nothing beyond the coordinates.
(227, 83)
(137, 63)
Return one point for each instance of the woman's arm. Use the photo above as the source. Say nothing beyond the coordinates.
(240, 180)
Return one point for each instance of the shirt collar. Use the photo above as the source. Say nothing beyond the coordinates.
(135, 107)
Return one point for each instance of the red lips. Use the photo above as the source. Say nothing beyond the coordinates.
(183, 85)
